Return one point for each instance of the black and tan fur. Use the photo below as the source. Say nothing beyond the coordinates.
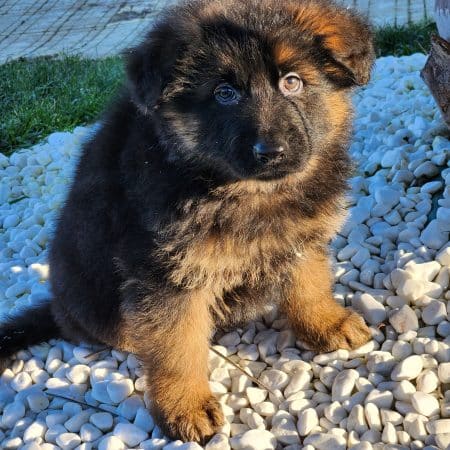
(172, 229)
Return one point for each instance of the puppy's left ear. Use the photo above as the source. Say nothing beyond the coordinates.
(345, 39)
(150, 66)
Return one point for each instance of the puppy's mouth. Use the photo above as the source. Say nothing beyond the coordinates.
(275, 174)
(272, 170)
(266, 168)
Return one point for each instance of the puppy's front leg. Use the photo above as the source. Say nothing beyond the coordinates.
(174, 348)
(313, 313)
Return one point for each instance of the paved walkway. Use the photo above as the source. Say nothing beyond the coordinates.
(97, 28)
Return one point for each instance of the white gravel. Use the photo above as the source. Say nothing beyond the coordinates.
(392, 263)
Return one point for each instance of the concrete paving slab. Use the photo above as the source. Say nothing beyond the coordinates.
(98, 28)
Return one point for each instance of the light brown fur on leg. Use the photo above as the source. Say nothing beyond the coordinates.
(313, 313)
(175, 364)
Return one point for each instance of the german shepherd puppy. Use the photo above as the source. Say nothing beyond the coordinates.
(210, 191)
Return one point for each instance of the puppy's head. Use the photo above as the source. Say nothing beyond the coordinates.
(255, 89)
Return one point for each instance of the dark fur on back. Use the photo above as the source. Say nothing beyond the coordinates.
(172, 228)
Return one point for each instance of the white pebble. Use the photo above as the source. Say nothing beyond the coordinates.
(443, 440)
(11, 221)
(372, 310)
(119, 390)
(382, 399)
(434, 313)
(390, 416)
(144, 420)
(444, 372)
(78, 373)
(102, 420)
(326, 441)
(265, 409)
(408, 369)
(37, 402)
(111, 443)
(74, 423)
(254, 440)
(68, 441)
(427, 381)
(433, 237)
(285, 431)
(425, 404)
(100, 392)
(12, 443)
(389, 435)
(256, 395)
(401, 350)
(443, 257)
(372, 414)
(299, 381)
(274, 379)
(21, 381)
(230, 339)
(439, 426)
(12, 413)
(89, 433)
(35, 431)
(356, 420)
(72, 408)
(334, 412)
(130, 434)
(56, 418)
(404, 320)
(218, 442)
(404, 390)
(343, 385)
(308, 420)
(380, 362)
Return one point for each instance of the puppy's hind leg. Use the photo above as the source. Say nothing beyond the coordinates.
(313, 313)
(172, 341)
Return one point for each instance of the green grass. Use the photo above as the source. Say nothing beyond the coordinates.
(42, 95)
(404, 40)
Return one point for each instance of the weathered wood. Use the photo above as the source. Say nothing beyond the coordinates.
(436, 74)
(442, 17)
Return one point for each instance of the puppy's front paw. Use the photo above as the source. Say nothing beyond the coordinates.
(197, 421)
(352, 332)
(349, 332)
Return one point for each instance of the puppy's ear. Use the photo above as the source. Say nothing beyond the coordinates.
(150, 66)
(344, 37)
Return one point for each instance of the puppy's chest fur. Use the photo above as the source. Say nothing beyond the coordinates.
(233, 239)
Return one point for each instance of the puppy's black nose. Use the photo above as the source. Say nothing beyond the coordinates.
(265, 153)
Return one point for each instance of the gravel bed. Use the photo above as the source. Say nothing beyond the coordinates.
(392, 263)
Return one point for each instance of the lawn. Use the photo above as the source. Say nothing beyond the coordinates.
(405, 40)
(41, 95)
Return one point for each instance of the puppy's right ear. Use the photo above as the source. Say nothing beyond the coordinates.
(150, 66)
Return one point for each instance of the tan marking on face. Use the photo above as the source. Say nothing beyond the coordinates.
(283, 53)
(290, 57)
(339, 108)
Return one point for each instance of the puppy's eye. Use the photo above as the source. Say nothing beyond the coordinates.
(226, 94)
(291, 84)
